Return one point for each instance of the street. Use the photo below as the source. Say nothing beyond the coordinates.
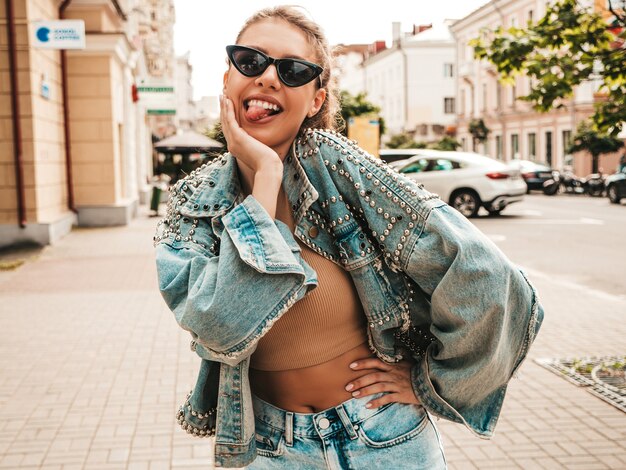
(94, 365)
(575, 240)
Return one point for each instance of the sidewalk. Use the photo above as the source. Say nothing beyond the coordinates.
(93, 367)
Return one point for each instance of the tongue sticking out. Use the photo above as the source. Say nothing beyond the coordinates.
(254, 113)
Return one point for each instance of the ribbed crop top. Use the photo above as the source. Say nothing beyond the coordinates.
(323, 325)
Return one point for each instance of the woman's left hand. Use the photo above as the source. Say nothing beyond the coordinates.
(392, 378)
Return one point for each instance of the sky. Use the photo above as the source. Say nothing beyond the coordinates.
(205, 27)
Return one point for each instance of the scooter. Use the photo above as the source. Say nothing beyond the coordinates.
(573, 184)
(551, 186)
(594, 185)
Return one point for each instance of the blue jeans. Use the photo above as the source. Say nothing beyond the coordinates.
(348, 436)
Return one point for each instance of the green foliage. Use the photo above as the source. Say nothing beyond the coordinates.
(479, 130)
(358, 105)
(590, 140)
(404, 140)
(216, 133)
(568, 46)
(446, 143)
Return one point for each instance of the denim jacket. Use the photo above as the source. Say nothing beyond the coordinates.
(228, 271)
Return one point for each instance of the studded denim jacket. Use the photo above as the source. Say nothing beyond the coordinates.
(228, 271)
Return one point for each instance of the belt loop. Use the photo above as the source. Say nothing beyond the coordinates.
(289, 428)
(343, 416)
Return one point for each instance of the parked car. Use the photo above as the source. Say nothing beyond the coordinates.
(616, 186)
(534, 174)
(467, 181)
(393, 155)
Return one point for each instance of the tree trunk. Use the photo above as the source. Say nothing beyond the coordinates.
(594, 162)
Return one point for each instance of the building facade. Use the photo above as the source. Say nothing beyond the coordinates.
(75, 147)
(516, 130)
(413, 81)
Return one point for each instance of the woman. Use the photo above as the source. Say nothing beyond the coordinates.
(336, 305)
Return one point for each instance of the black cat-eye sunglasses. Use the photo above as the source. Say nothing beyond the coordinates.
(292, 72)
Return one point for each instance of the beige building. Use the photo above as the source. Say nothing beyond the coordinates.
(83, 151)
(516, 130)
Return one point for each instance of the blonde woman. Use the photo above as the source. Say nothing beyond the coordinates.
(336, 305)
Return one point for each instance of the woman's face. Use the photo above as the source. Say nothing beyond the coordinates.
(278, 39)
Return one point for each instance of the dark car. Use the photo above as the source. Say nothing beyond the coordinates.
(535, 174)
(616, 186)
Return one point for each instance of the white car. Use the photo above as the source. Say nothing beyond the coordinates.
(465, 180)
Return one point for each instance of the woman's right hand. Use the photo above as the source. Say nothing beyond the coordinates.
(248, 150)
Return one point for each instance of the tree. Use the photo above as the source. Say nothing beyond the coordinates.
(357, 105)
(596, 144)
(447, 143)
(568, 46)
(479, 131)
(404, 140)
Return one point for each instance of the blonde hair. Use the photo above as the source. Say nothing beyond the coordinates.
(328, 117)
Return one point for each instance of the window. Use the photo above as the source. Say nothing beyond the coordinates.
(514, 145)
(448, 70)
(415, 167)
(549, 148)
(442, 164)
(499, 147)
(448, 105)
(567, 141)
(513, 95)
(532, 145)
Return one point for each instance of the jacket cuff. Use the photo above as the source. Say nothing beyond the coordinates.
(480, 418)
(259, 240)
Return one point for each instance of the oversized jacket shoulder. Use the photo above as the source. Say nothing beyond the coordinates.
(393, 207)
(179, 227)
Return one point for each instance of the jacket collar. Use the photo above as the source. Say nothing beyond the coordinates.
(218, 187)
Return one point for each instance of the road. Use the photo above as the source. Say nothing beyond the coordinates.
(574, 240)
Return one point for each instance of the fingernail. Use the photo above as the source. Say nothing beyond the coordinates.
(349, 387)
(356, 394)
(368, 405)
(353, 365)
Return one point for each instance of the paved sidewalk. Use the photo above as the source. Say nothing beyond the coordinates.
(93, 367)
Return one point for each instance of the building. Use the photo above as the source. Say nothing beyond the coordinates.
(185, 105)
(207, 111)
(516, 130)
(349, 65)
(413, 81)
(75, 148)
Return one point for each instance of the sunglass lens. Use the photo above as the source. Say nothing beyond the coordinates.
(296, 73)
(249, 63)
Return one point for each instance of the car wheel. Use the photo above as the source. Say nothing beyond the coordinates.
(495, 212)
(613, 196)
(466, 202)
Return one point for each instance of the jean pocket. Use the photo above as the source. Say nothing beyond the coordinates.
(395, 424)
(270, 442)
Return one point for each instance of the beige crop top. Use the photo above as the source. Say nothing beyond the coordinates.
(323, 325)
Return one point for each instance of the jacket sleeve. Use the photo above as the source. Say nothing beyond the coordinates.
(228, 292)
(481, 308)
(484, 314)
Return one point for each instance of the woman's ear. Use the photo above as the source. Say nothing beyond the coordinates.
(318, 101)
